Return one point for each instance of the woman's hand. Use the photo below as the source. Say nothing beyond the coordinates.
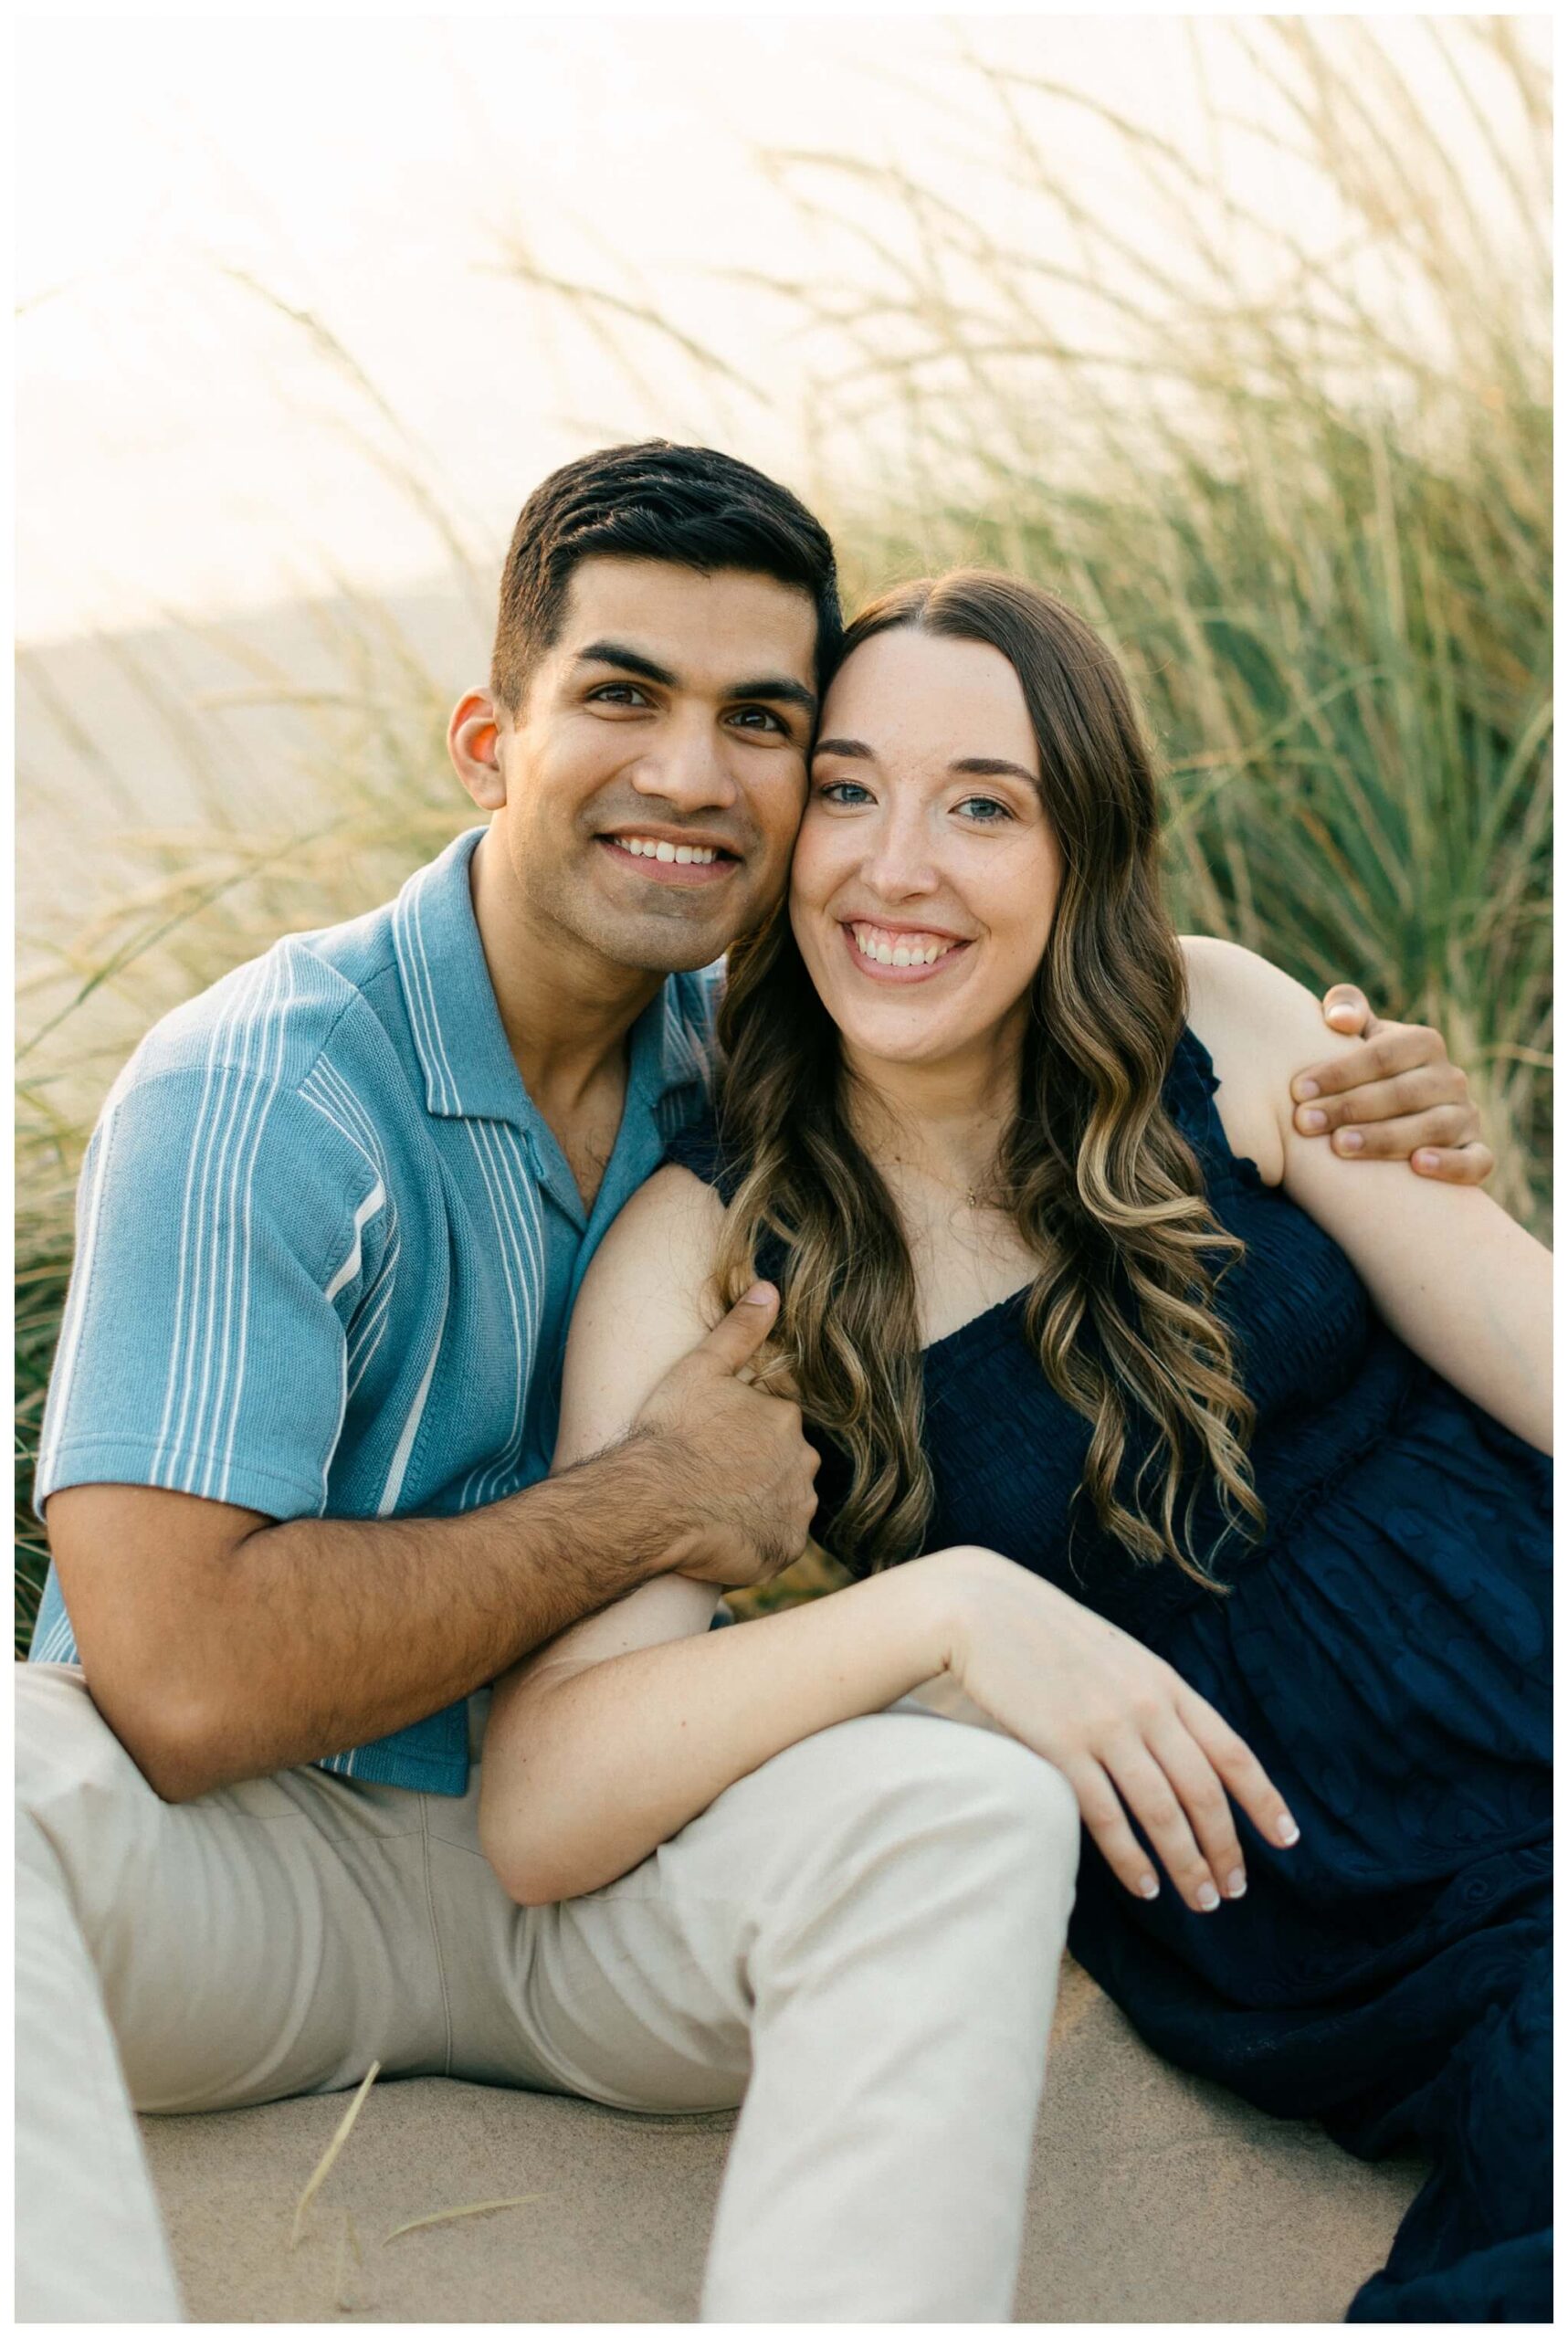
(1125, 1730)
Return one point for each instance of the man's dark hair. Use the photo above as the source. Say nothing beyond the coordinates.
(689, 505)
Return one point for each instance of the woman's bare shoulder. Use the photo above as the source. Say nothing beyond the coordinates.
(666, 1237)
(674, 1200)
(1224, 977)
(1258, 1025)
(646, 1300)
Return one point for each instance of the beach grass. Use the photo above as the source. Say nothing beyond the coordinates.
(1300, 479)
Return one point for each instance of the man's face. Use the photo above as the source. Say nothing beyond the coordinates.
(655, 774)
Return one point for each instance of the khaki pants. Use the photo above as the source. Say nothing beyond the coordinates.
(861, 1938)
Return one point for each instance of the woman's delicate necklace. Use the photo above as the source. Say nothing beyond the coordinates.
(977, 1197)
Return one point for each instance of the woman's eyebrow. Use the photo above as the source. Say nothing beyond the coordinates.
(965, 766)
(993, 767)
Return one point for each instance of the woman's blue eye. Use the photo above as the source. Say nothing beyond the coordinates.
(840, 791)
(986, 810)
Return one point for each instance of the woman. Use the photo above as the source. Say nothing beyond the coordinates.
(1226, 1456)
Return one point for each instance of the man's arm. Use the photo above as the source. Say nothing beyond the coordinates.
(219, 1645)
(1392, 1097)
(226, 1229)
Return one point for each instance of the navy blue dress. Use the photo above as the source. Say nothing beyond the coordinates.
(1384, 1650)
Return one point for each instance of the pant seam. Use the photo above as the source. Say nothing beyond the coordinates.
(435, 1932)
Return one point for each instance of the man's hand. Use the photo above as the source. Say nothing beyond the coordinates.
(1395, 1097)
(744, 1467)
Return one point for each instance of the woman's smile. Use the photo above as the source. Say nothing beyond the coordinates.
(902, 954)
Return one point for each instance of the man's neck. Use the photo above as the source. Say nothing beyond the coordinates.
(566, 1010)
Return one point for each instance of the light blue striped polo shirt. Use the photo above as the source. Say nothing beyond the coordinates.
(327, 1248)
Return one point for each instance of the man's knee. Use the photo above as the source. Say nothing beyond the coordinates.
(909, 1781)
(76, 1789)
(56, 1724)
(991, 1784)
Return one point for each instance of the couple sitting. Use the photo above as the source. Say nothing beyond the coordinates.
(1192, 1462)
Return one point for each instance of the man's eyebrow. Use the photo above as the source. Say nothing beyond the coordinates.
(778, 687)
(630, 661)
(781, 689)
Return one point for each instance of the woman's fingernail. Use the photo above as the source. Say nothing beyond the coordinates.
(1425, 1162)
(1304, 1091)
(1351, 1140)
(1149, 1885)
(1312, 1122)
(1287, 1829)
(1208, 1897)
(1236, 1883)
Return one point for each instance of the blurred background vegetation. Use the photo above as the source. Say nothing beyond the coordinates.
(1299, 473)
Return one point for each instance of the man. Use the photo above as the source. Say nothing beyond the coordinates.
(295, 1469)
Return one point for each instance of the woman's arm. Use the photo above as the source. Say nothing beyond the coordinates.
(612, 1737)
(1458, 1280)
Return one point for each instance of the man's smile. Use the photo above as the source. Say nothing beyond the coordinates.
(672, 856)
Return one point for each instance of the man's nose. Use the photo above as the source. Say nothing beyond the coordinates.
(687, 769)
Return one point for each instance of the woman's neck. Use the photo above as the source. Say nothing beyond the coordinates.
(945, 1120)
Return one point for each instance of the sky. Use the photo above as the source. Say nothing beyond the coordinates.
(272, 336)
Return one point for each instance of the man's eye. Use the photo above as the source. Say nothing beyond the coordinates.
(844, 791)
(985, 810)
(757, 717)
(617, 694)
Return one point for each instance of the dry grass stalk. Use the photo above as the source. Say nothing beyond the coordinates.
(448, 2216)
(349, 2245)
(323, 2166)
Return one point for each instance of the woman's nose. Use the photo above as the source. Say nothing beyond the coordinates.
(899, 862)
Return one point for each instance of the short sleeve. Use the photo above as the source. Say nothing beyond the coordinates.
(223, 1230)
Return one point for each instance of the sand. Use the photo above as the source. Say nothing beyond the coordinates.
(1153, 2197)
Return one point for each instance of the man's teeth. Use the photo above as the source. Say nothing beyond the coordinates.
(902, 949)
(654, 848)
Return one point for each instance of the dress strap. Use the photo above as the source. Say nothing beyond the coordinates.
(1190, 1086)
(697, 1147)
(701, 1148)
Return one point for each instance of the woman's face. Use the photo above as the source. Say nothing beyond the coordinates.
(926, 874)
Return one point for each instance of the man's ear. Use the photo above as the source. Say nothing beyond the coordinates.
(473, 742)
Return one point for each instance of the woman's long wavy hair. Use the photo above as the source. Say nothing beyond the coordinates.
(1103, 1188)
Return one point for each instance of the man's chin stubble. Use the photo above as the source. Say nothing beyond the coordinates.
(664, 941)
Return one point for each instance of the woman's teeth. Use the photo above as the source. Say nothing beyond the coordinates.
(901, 949)
(652, 849)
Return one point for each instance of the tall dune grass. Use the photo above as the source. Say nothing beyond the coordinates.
(1303, 485)
(1301, 479)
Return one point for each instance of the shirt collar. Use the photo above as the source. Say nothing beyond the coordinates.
(456, 1025)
